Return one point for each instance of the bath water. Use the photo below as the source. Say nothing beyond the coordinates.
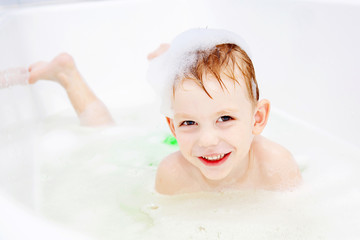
(100, 182)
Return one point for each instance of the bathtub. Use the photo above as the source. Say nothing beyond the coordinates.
(305, 55)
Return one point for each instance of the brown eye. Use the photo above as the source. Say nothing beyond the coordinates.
(188, 123)
(225, 118)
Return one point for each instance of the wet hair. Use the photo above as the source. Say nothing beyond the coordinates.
(223, 59)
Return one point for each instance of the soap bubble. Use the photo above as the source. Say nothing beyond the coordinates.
(14, 76)
(164, 70)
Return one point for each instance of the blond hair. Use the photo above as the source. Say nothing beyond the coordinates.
(218, 59)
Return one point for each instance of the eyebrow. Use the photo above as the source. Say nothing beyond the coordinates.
(222, 112)
(183, 115)
(226, 111)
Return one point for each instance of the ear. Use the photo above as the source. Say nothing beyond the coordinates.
(261, 116)
(170, 122)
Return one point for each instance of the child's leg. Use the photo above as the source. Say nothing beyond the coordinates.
(62, 69)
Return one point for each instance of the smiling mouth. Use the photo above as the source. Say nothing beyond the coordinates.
(214, 160)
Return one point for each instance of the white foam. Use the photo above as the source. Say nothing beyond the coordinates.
(14, 76)
(164, 70)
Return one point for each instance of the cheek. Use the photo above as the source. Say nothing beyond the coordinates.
(239, 135)
(185, 141)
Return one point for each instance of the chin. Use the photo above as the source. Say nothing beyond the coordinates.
(215, 176)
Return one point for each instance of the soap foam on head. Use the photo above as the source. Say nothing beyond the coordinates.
(175, 62)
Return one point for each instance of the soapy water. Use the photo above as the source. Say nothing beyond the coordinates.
(100, 182)
(14, 76)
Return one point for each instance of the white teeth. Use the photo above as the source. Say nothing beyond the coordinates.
(214, 158)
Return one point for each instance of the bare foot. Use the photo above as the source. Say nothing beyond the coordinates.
(60, 69)
(160, 50)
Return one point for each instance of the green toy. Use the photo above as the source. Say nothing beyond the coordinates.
(170, 140)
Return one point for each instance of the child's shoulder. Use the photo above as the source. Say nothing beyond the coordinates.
(172, 175)
(277, 165)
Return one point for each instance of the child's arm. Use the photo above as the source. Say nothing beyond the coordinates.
(277, 165)
(157, 52)
(62, 69)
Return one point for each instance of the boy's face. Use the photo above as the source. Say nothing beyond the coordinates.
(214, 134)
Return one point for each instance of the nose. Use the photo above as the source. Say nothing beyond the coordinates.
(208, 137)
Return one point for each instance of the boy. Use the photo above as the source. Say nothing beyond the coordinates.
(215, 114)
(211, 103)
